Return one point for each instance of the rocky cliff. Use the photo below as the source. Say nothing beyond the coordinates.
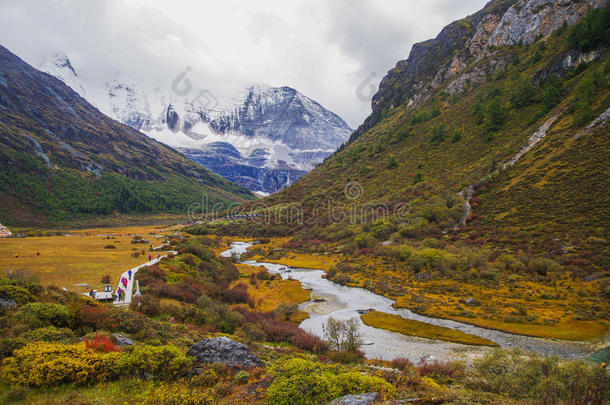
(442, 60)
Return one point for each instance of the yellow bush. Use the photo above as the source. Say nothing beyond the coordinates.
(42, 363)
(179, 393)
(299, 381)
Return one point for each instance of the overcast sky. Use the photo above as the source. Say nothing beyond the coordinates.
(334, 51)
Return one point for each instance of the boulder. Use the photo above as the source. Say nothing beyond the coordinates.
(224, 350)
(122, 340)
(4, 303)
(360, 399)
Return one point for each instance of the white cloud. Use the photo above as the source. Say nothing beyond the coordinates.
(323, 48)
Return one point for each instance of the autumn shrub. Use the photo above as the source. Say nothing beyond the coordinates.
(345, 357)
(442, 371)
(403, 364)
(544, 380)
(307, 341)
(179, 393)
(207, 377)
(237, 294)
(253, 332)
(285, 311)
(147, 304)
(95, 317)
(101, 343)
(50, 364)
(38, 315)
(279, 331)
(299, 382)
(185, 291)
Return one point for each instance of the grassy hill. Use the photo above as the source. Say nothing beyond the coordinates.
(61, 159)
(425, 153)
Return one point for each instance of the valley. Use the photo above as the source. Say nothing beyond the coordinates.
(239, 243)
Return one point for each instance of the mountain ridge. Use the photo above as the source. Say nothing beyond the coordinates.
(85, 163)
(287, 133)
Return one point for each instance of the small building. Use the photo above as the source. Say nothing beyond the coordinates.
(4, 231)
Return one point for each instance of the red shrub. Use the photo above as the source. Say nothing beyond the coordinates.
(101, 344)
(279, 331)
(344, 357)
(185, 291)
(440, 369)
(237, 294)
(402, 364)
(307, 341)
(95, 317)
(253, 317)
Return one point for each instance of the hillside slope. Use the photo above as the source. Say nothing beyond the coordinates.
(460, 125)
(61, 158)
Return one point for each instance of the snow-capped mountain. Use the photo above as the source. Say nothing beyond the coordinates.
(263, 137)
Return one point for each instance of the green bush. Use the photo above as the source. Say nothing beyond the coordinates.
(552, 92)
(38, 315)
(457, 136)
(48, 334)
(242, 377)
(365, 240)
(285, 310)
(305, 382)
(15, 293)
(439, 133)
(158, 362)
(523, 95)
(495, 115)
(515, 375)
(592, 31)
(392, 164)
(542, 266)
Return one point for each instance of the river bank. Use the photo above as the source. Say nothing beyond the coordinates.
(329, 299)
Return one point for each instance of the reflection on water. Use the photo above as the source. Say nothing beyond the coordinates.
(330, 299)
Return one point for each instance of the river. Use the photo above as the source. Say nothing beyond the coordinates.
(329, 299)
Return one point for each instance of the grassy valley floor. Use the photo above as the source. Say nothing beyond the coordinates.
(84, 257)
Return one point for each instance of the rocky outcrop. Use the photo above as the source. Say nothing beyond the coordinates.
(224, 350)
(121, 340)
(360, 399)
(225, 160)
(446, 58)
(565, 62)
(529, 20)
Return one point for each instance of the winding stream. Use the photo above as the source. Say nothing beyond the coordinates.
(330, 299)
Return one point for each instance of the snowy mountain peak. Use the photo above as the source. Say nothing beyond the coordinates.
(61, 67)
(275, 134)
